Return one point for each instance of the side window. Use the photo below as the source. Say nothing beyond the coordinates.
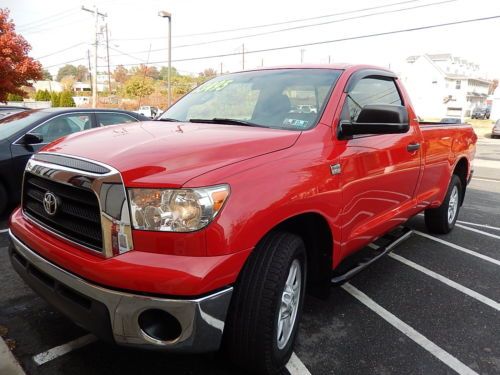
(63, 125)
(110, 118)
(370, 91)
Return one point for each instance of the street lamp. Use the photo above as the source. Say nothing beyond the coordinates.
(165, 14)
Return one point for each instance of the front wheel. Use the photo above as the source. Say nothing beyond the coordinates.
(442, 219)
(267, 304)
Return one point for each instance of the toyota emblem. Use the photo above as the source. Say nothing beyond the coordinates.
(50, 203)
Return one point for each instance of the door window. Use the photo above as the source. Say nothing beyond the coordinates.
(63, 125)
(370, 91)
(110, 118)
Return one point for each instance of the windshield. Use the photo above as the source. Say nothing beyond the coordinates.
(281, 98)
(12, 124)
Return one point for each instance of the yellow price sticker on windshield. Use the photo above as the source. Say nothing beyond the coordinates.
(214, 86)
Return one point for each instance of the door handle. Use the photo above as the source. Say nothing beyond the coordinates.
(412, 147)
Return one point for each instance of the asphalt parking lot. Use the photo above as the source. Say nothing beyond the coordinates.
(430, 307)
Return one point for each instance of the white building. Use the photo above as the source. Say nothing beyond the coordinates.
(444, 85)
(47, 85)
(495, 107)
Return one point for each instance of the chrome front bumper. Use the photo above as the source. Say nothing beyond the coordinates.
(201, 319)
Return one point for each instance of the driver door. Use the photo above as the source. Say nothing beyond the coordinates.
(379, 172)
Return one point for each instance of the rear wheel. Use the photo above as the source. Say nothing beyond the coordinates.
(442, 219)
(266, 305)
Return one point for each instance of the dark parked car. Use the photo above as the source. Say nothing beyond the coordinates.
(450, 120)
(7, 110)
(481, 113)
(26, 132)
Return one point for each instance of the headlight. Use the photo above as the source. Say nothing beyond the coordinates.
(176, 210)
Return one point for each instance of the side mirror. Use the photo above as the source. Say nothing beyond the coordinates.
(377, 119)
(32, 138)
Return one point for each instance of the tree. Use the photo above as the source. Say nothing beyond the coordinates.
(148, 71)
(46, 75)
(138, 87)
(66, 99)
(42, 96)
(55, 98)
(120, 74)
(182, 84)
(16, 67)
(493, 87)
(164, 73)
(67, 82)
(82, 73)
(206, 75)
(14, 98)
(66, 70)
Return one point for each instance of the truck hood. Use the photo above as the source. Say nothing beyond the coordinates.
(161, 154)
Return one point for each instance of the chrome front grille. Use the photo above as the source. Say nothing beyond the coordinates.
(90, 206)
(78, 217)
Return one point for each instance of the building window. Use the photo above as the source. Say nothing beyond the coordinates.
(458, 84)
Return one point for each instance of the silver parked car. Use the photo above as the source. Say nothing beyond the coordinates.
(495, 132)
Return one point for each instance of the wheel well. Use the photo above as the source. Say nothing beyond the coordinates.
(317, 236)
(461, 170)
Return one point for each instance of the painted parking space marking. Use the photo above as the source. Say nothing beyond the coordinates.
(61, 350)
(478, 231)
(296, 367)
(4, 230)
(410, 332)
(459, 248)
(485, 179)
(445, 280)
(478, 225)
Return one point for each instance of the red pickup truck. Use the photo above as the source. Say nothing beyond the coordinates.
(204, 229)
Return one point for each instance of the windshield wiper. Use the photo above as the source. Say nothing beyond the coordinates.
(168, 119)
(225, 121)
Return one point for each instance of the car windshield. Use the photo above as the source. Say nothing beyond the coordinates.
(12, 124)
(280, 98)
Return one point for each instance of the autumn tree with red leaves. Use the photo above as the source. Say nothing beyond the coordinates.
(16, 67)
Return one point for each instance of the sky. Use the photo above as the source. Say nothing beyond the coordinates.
(59, 31)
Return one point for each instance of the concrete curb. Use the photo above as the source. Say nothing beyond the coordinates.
(8, 363)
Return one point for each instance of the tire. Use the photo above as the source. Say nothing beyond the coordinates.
(251, 334)
(442, 219)
(3, 200)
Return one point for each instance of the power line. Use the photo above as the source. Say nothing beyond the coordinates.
(61, 50)
(64, 63)
(36, 26)
(57, 27)
(365, 36)
(125, 54)
(276, 23)
(44, 19)
(302, 26)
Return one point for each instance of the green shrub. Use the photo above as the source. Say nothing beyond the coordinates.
(14, 98)
(66, 99)
(55, 98)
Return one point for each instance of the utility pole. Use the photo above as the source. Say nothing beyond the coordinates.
(90, 70)
(302, 55)
(243, 53)
(165, 14)
(107, 59)
(329, 59)
(94, 76)
(221, 68)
